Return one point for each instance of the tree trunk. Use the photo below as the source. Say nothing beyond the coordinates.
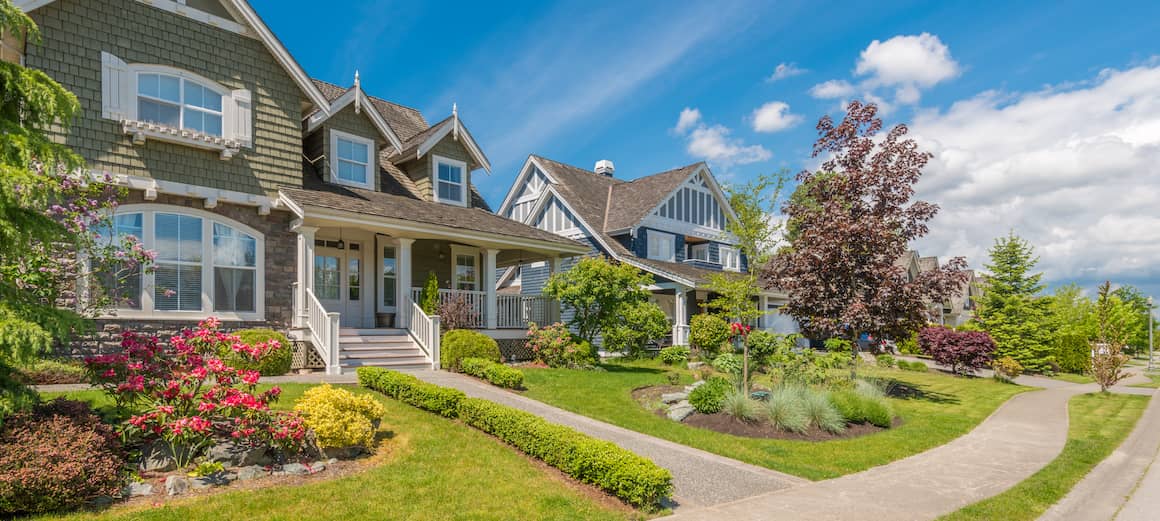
(854, 355)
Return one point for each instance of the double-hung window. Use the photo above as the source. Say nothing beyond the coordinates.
(450, 180)
(465, 268)
(179, 103)
(235, 257)
(661, 246)
(730, 258)
(699, 252)
(120, 281)
(177, 271)
(353, 159)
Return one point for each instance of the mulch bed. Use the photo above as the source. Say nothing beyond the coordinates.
(650, 398)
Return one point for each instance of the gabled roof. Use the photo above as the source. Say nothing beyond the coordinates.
(632, 201)
(926, 264)
(405, 121)
(355, 95)
(251, 18)
(421, 143)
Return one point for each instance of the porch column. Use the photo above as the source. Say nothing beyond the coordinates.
(403, 285)
(554, 267)
(305, 270)
(680, 317)
(490, 305)
(763, 322)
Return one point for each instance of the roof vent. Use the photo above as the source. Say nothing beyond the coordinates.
(604, 167)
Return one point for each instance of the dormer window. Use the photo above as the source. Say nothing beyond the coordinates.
(353, 160)
(178, 103)
(449, 178)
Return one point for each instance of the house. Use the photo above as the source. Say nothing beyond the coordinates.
(960, 306)
(670, 224)
(274, 199)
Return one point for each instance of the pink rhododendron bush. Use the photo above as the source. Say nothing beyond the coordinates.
(185, 398)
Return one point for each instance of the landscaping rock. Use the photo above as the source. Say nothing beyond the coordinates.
(233, 454)
(251, 472)
(317, 466)
(673, 397)
(695, 365)
(216, 479)
(680, 412)
(156, 457)
(293, 469)
(176, 485)
(342, 452)
(697, 384)
(136, 489)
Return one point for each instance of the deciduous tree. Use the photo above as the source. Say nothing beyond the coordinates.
(594, 290)
(851, 219)
(1115, 321)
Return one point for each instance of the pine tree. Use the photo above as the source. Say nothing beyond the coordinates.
(1011, 309)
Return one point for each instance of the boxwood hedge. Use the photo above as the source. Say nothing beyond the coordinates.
(497, 374)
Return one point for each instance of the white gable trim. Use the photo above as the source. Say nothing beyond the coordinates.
(318, 118)
(242, 8)
(520, 181)
(461, 135)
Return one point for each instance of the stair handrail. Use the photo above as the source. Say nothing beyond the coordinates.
(425, 330)
(324, 330)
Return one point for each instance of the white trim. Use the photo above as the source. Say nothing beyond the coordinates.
(690, 248)
(354, 94)
(208, 286)
(199, 192)
(466, 251)
(381, 243)
(734, 252)
(468, 142)
(370, 168)
(463, 180)
(521, 180)
(671, 251)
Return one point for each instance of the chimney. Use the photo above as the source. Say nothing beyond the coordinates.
(604, 167)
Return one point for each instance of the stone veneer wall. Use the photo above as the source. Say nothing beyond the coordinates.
(280, 273)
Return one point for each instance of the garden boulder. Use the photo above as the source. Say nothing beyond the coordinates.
(176, 485)
(673, 397)
(232, 454)
(680, 411)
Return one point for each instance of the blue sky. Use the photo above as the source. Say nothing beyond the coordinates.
(581, 81)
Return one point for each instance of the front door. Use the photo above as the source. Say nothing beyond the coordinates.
(338, 281)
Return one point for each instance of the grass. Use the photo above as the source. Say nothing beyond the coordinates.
(1098, 424)
(1153, 384)
(940, 409)
(434, 469)
(1074, 378)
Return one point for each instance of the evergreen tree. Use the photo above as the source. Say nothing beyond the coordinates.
(1012, 310)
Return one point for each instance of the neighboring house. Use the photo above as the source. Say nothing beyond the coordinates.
(271, 198)
(670, 224)
(959, 307)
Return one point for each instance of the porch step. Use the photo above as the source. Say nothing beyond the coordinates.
(389, 348)
(353, 331)
(419, 365)
(354, 341)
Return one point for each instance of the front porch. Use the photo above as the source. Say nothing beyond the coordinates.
(359, 276)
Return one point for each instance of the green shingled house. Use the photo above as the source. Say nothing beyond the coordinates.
(273, 198)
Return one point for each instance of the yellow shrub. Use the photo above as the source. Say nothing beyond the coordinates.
(340, 418)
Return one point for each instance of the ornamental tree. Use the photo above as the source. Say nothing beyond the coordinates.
(1012, 309)
(595, 290)
(51, 217)
(1116, 322)
(848, 222)
(964, 351)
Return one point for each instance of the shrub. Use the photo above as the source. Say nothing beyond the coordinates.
(276, 361)
(1007, 369)
(965, 351)
(673, 377)
(603, 464)
(838, 345)
(674, 355)
(764, 344)
(708, 332)
(864, 403)
(708, 397)
(637, 324)
(886, 361)
(340, 418)
(456, 313)
(555, 346)
(496, 373)
(1073, 353)
(727, 363)
(912, 366)
(909, 345)
(785, 411)
(409, 389)
(48, 372)
(739, 405)
(57, 456)
(821, 411)
(462, 343)
(429, 295)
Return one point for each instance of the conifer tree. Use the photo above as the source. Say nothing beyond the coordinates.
(1012, 309)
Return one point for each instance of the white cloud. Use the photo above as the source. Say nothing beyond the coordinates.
(832, 89)
(773, 117)
(908, 64)
(714, 144)
(1071, 170)
(688, 119)
(785, 70)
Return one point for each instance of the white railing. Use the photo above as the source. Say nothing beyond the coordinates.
(425, 330)
(516, 311)
(324, 331)
(476, 303)
(680, 335)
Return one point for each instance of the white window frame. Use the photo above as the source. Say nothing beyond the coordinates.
(730, 258)
(462, 165)
(182, 104)
(148, 222)
(654, 239)
(467, 251)
(695, 249)
(335, 135)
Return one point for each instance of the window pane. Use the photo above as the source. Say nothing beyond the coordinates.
(450, 192)
(344, 148)
(450, 173)
(358, 152)
(147, 85)
(352, 172)
(353, 279)
(169, 88)
(194, 94)
(326, 277)
(234, 289)
(157, 112)
(465, 272)
(178, 237)
(233, 248)
(177, 288)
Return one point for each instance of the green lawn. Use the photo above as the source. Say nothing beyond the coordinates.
(944, 408)
(1099, 423)
(437, 469)
(1074, 378)
(1153, 384)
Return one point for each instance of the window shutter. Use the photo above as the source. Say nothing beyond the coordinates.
(116, 94)
(242, 125)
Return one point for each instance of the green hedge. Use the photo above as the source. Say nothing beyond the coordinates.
(406, 388)
(912, 366)
(617, 471)
(458, 344)
(497, 374)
